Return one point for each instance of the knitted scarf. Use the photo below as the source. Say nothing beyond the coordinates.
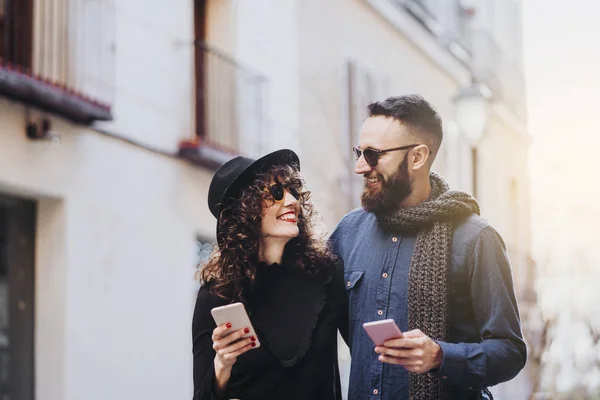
(433, 222)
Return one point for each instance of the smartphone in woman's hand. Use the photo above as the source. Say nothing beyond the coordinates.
(237, 316)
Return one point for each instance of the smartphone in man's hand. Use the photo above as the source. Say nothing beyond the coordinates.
(382, 331)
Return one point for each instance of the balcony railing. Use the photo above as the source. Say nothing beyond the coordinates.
(447, 20)
(450, 24)
(230, 101)
(58, 55)
(491, 65)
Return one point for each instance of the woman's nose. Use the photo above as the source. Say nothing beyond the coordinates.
(290, 200)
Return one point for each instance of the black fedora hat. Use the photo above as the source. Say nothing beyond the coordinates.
(238, 172)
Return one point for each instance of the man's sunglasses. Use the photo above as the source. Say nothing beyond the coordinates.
(372, 155)
(277, 192)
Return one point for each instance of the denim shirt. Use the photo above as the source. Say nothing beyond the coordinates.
(484, 345)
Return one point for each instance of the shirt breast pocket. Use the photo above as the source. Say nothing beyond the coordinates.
(353, 283)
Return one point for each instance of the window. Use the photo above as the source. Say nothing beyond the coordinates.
(16, 32)
(229, 95)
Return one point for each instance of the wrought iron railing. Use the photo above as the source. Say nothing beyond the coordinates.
(494, 67)
(230, 101)
(449, 22)
(447, 19)
(65, 43)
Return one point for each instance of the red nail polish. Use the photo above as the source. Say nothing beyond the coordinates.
(253, 344)
(246, 330)
(253, 339)
(228, 325)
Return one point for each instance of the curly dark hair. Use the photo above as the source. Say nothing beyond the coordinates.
(231, 268)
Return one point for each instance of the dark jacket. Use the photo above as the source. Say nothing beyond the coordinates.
(296, 318)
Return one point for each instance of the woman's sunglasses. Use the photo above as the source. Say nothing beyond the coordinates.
(277, 192)
(372, 155)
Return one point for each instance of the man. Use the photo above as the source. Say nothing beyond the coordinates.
(420, 254)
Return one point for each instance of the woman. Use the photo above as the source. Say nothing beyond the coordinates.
(293, 291)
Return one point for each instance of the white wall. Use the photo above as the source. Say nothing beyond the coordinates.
(154, 78)
(117, 224)
(115, 242)
(267, 38)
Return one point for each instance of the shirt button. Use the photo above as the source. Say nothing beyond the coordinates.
(394, 239)
(375, 391)
(348, 284)
(380, 312)
(385, 275)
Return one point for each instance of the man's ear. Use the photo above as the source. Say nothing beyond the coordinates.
(420, 155)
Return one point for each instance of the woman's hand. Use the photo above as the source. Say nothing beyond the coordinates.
(228, 348)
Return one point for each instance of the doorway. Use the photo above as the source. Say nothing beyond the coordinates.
(17, 267)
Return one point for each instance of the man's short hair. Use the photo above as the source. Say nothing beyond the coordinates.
(414, 112)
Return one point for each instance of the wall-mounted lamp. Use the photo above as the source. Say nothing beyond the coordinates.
(41, 130)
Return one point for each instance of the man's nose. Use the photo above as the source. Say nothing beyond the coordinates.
(361, 166)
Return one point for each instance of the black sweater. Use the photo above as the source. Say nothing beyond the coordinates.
(296, 318)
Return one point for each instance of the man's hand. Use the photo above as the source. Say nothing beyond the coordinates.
(416, 352)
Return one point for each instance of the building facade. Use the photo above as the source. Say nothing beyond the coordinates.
(114, 115)
(99, 216)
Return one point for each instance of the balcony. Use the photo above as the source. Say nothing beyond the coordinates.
(58, 56)
(448, 21)
(492, 66)
(452, 27)
(230, 117)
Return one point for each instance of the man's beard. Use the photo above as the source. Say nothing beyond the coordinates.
(390, 193)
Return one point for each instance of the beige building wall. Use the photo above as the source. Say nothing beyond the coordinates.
(117, 224)
(115, 239)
